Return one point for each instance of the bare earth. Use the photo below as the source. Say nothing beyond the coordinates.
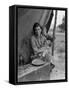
(59, 58)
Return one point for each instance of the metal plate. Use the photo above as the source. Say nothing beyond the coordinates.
(38, 62)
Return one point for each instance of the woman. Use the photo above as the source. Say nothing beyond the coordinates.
(40, 44)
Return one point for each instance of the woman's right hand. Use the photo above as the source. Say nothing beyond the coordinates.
(44, 53)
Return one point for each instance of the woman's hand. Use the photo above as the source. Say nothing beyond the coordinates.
(44, 53)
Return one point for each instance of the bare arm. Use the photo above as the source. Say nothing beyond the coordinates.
(36, 48)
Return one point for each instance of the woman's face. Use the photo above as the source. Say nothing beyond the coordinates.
(38, 30)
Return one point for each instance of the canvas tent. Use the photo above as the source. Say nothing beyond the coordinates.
(26, 20)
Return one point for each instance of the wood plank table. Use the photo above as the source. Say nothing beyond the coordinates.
(34, 73)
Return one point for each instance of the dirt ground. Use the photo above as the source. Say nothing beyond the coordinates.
(59, 58)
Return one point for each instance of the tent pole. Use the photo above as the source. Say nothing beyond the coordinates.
(53, 43)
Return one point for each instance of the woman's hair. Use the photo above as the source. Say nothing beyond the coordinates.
(34, 28)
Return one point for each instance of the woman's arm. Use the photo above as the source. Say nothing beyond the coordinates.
(35, 47)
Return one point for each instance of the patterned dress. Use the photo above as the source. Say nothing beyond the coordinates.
(40, 48)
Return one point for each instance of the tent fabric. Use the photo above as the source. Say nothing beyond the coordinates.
(26, 20)
(49, 21)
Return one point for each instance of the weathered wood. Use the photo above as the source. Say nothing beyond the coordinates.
(55, 21)
(35, 73)
(29, 69)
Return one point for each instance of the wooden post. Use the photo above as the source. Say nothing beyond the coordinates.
(53, 44)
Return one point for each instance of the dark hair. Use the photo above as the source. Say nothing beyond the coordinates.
(34, 27)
